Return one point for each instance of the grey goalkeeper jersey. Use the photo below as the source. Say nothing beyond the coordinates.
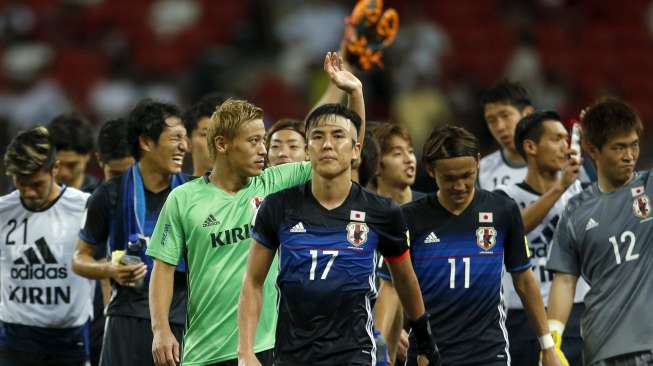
(607, 238)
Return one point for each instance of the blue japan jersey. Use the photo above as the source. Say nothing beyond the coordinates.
(326, 278)
(459, 263)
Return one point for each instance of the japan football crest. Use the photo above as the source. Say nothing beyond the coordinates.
(642, 206)
(256, 202)
(357, 233)
(486, 237)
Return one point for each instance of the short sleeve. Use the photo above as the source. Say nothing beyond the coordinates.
(287, 175)
(168, 241)
(264, 225)
(393, 235)
(95, 230)
(517, 254)
(563, 256)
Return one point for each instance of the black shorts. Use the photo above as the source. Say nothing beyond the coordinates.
(264, 357)
(525, 348)
(128, 341)
(20, 358)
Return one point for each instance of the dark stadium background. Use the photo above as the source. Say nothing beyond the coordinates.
(98, 57)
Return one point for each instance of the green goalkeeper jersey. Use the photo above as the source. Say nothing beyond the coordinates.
(210, 229)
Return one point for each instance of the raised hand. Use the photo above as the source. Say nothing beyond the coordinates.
(334, 66)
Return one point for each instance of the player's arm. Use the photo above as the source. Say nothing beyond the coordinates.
(85, 265)
(350, 84)
(165, 348)
(537, 211)
(561, 301)
(388, 316)
(251, 299)
(517, 262)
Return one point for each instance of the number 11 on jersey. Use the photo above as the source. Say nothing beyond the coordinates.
(452, 274)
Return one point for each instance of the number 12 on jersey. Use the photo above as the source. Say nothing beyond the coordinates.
(314, 254)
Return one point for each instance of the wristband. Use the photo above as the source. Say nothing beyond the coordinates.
(556, 326)
(546, 341)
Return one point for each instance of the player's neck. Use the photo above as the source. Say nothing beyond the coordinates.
(78, 181)
(606, 185)
(154, 180)
(454, 207)
(54, 193)
(227, 179)
(331, 192)
(540, 181)
(513, 157)
(199, 166)
(399, 194)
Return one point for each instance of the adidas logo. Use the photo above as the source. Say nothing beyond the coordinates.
(210, 221)
(32, 258)
(591, 224)
(33, 267)
(431, 238)
(299, 228)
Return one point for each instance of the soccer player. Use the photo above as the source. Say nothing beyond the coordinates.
(396, 174)
(45, 307)
(461, 239)
(604, 236)
(73, 139)
(122, 213)
(551, 180)
(114, 153)
(208, 222)
(327, 232)
(503, 106)
(196, 121)
(286, 142)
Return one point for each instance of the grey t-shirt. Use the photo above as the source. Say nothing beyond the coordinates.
(607, 238)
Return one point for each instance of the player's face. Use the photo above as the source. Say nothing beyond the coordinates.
(331, 146)
(246, 151)
(502, 118)
(398, 165)
(168, 153)
(617, 158)
(35, 190)
(115, 167)
(456, 177)
(286, 146)
(551, 150)
(72, 166)
(198, 144)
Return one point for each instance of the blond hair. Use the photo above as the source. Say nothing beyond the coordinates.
(227, 119)
(30, 152)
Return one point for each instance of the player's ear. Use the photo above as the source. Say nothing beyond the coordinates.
(592, 150)
(478, 162)
(55, 168)
(527, 110)
(220, 144)
(430, 170)
(530, 147)
(357, 151)
(146, 143)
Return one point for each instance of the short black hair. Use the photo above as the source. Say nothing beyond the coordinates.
(370, 159)
(331, 109)
(112, 140)
(148, 119)
(447, 142)
(608, 117)
(286, 124)
(531, 127)
(507, 92)
(71, 132)
(205, 107)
